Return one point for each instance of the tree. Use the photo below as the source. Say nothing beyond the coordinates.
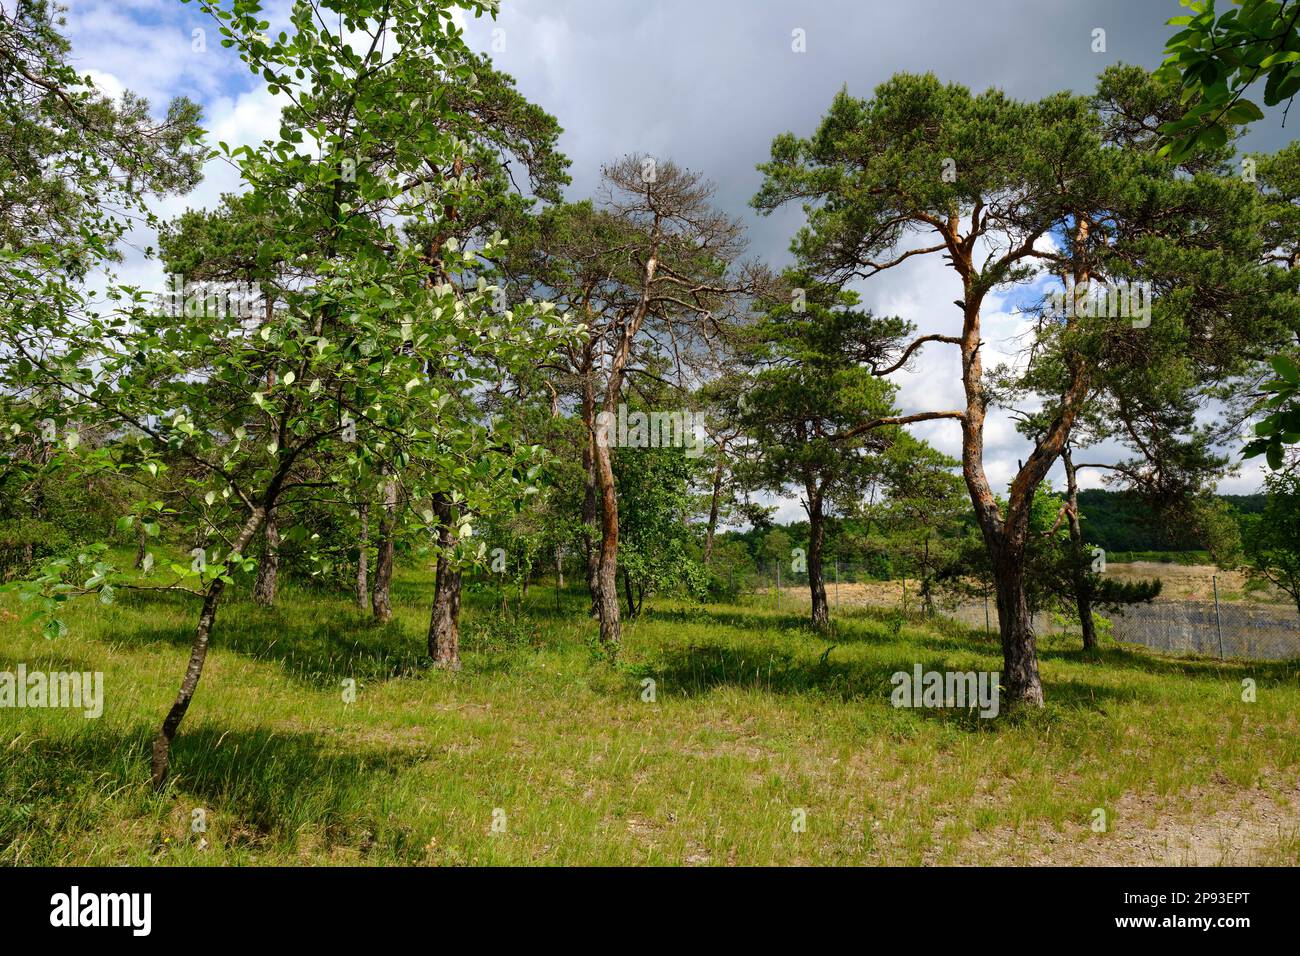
(804, 383)
(75, 170)
(1215, 61)
(721, 494)
(1272, 538)
(350, 350)
(501, 130)
(208, 253)
(75, 162)
(1172, 467)
(655, 551)
(1003, 191)
(924, 509)
(652, 273)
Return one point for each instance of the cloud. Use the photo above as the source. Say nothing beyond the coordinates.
(246, 119)
(106, 83)
(709, 85)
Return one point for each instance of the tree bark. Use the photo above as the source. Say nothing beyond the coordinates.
(1016, 626)
(444, 619)
(444, 622)
(590, 508)
(268, 567)
(627, 590)
(1082, 588)
(140, 544)
(363, 557)
(198, 654)
(1005, 537)
(610, 629)
(611, 633)
(713, 506)
(821, 614)
(381, 598)
(927, 593)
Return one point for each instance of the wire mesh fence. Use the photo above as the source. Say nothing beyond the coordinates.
(1225, 629)
(1216, 629)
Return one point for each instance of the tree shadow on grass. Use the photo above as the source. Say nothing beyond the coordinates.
(320, 643)
(876, 626)
(268, 785)
(741, 619)
(279, 783)
(316, 646)
(47, 659)
(698, 670)
(1169, 666)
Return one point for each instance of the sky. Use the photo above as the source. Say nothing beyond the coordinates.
(708, 83)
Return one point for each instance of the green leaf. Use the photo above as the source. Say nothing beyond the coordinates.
(1242, 112)
(1286, 368)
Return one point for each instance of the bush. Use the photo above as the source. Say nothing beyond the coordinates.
(25, 543)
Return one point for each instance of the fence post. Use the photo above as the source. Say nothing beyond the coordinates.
(778, 584)
(837, 582)
(1218, 623)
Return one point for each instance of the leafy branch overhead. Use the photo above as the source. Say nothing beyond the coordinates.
(1217, 59)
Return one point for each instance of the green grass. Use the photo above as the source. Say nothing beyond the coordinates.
(755, 716)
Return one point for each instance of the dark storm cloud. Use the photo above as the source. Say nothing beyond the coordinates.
(710, 82)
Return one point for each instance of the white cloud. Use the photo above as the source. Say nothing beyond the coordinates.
(106, 83)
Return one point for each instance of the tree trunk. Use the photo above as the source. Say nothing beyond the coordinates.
(590, 508)
(627, 590)
(268, 568)
(713, 507)
(363, 587)
(1079, 577)
(444, 620)
(607, 584)
(610, 630)
(927, 594)
(141, 540)
(1005, 537)
(198, 654)
(381, 599)
(1016, 625)
(821, 614)
(559, 569)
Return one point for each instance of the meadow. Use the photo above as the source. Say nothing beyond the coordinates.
(765, 743)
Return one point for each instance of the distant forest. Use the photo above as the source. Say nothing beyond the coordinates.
(1117, 521)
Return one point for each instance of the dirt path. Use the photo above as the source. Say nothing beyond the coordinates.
(1260, 826)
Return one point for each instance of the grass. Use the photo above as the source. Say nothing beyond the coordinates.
(754, 717)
